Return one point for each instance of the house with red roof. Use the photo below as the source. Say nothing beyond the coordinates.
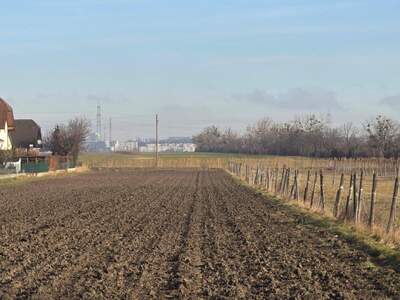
(17, 134)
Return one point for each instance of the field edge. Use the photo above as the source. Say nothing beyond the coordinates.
(380, 253)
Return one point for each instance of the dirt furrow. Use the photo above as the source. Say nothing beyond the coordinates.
(123, 254)
(177, 234)
(312, 256)
(156, 268)
(77, 247)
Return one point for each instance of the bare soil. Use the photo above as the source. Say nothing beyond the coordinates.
(183, 234)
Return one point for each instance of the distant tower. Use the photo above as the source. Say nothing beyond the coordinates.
(105, 131)
(98, 129)
(110, 133)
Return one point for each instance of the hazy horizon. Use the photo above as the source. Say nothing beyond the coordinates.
(225, 63)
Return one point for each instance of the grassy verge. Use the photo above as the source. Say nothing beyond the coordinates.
(381, 254)
(8, 182)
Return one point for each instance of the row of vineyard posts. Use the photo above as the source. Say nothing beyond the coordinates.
(284, 183)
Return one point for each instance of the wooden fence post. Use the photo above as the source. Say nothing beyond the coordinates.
(338, 196)
(355, 198)
(264, 179)
(287, 181)
(392, 217)
(256, 178)
(270, 179)
(307, 186)
(322, 192)
(313, 191)
(360, 198)
(282, 181)
(292, 191)
(349, 197)
(373, 199)
(297, 193)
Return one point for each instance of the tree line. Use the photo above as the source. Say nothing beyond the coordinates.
(309, 135)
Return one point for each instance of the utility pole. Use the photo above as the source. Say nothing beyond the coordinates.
(157, 140)
(105, 131)
(98, 129)
(110, 134)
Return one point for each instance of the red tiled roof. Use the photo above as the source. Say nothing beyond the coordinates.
(6, 114)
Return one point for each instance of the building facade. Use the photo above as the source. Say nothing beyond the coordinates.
(169, 147)
(17, 134)
(6, 125)
(127, 146)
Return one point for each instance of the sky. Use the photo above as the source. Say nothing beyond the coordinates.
(198, 63)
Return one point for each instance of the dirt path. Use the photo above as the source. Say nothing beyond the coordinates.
(185, 234)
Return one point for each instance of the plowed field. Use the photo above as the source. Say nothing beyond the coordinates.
(171, 234)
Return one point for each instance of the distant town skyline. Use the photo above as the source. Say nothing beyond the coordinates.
(226, 63)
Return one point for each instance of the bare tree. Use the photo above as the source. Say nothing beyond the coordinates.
(351, 139)
(383, 133)
(54, 140)
(68, 140)
(78, 130)
(209, 139)
(260, 135)
(231, 141)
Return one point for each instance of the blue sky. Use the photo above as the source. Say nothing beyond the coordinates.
(198, 63)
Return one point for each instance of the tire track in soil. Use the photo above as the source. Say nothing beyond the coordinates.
(27, 291)
(42, 259)
(184, 234)
(193, 261)
(133, 264)
(158, 265)
(175, 285)
(155, 268)
(317, 259)
(233, 254)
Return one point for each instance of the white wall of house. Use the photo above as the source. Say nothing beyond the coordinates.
(5, 141)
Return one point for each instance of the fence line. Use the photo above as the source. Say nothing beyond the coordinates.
(286, 183)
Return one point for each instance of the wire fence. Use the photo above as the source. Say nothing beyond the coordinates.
(360, 196)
